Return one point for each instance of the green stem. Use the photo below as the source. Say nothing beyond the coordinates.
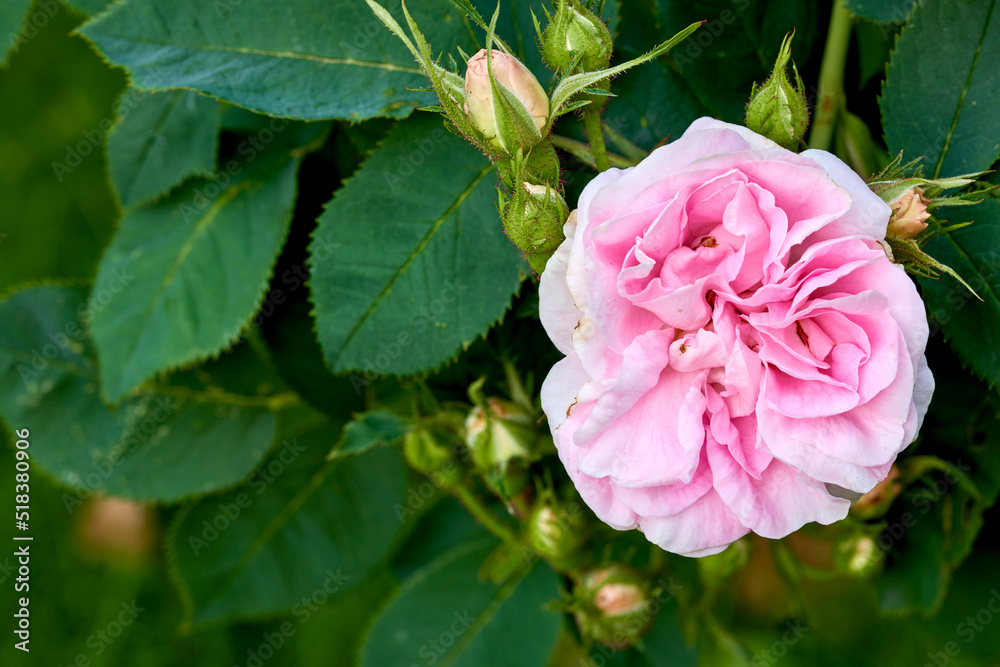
(595, 133)
(582, 152)
(831, 77)
(483, 514)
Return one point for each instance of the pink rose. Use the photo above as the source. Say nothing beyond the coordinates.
(741, 355)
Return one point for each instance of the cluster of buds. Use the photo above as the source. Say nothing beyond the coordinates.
(501, 108)
(613, 606)
(778, 109)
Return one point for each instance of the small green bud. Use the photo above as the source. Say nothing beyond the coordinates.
(577, 36)
(613, 606)
(858, 556)
(510, 107)
(499, 433)
(533, 220)
(424, 454)
(554, 531)
(778, 109)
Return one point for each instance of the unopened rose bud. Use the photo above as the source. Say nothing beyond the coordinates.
(876, 502)
(533, 220)
(425, 454)
(614, 606)
(858, 556)
(778, 109)
(512, 114)
(115, 529)
(576, 36)
(554, 531)
(501, 432)
(909, 214)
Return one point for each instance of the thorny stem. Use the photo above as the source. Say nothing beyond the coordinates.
(831, 77)
(595, 133)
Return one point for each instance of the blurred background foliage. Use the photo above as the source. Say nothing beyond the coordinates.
(813, 599)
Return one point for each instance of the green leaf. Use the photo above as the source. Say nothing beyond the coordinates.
(174, 443)
(444, 526)
(445, 615)
(297, 534)
(89, 7)
(372, 429)
(334, 638)
(709, 74)
(299, 58)
(942, 87)
(184, 275)
(409, 262)
(291, 336)
(13, 14)
(161, 139)
(883, 11)
(971, 326)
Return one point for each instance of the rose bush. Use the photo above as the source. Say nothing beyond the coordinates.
(741, 354)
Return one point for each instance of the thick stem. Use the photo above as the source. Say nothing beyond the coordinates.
(583, 152)
(831, 77)
(483, 514)
(595, 133)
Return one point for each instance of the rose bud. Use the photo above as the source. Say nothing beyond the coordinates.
(499, 433)
(909, 214)
(613, 606)
(778, 109)
(533, 220)
(117, 530)
(858, 556)
(511, 114)
(424, 454)
(576, 36)
(554, 531)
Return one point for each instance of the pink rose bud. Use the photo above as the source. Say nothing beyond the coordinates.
(613, 606)
(516, 117)
(909, 214)
(117, 530)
